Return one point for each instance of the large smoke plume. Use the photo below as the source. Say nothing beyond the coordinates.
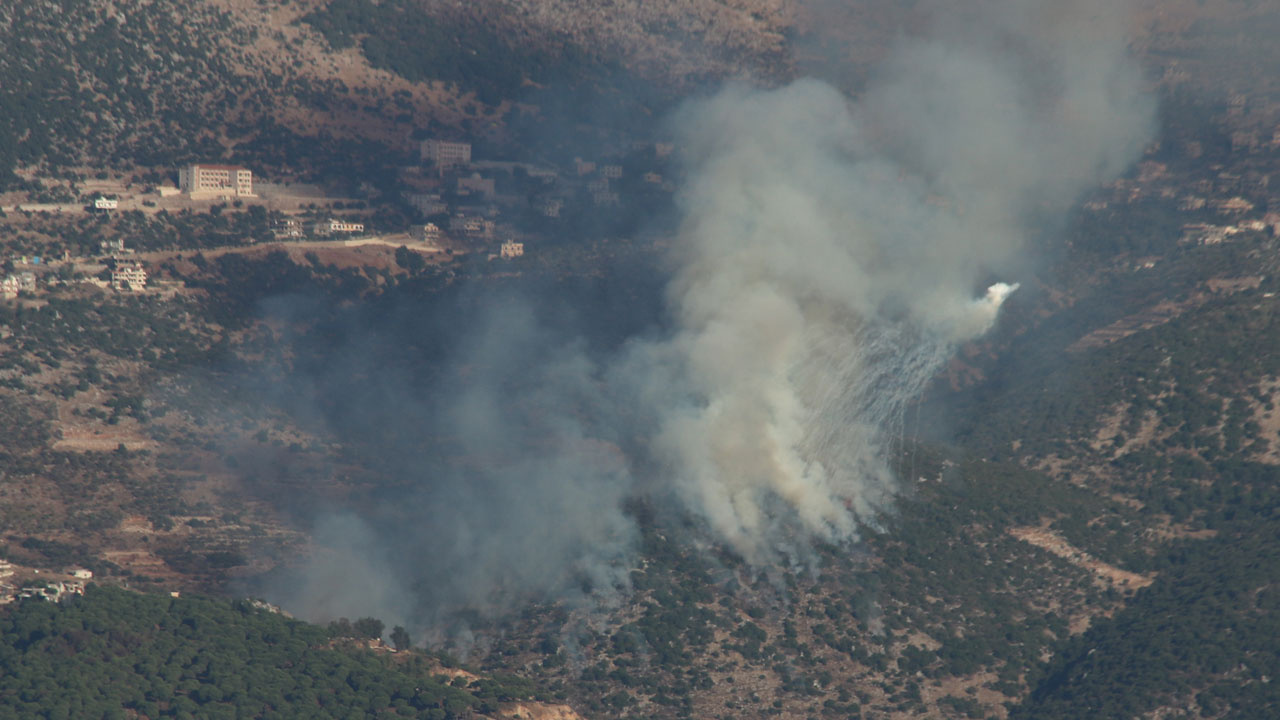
(831, 252)
(832, 255)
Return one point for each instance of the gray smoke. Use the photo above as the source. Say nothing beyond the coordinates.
(833, 254)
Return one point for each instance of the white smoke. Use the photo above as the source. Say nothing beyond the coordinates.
(832, 255)
(831, 252)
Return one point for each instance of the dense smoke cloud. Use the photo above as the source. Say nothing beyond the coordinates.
(832, 255)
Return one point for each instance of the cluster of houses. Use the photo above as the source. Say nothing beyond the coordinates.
(1210, 234)
(459, 197)
(294, 228)
(462, 198)
(1223, 200)
(30, 583)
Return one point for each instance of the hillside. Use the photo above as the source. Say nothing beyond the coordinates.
(372, 423)
(113, 653)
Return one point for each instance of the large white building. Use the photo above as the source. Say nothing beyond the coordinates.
(443, 153)
(204, 180)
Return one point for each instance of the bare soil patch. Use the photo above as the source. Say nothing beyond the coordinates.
(1046, 539)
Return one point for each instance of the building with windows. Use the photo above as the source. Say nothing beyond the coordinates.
(428, 233)
(130, 277)
(287, 228)
(103, 203)
(13, 284)
(204, 180)
(471, 226)
(444, 153)
(512, 249)
(333, 225)
(427, 203)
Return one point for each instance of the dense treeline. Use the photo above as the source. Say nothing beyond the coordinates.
(84, 80)
(114, 653)
(1207, 635)
(400, 36)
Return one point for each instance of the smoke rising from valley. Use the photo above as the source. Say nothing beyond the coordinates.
(831, 252)
(831, 256)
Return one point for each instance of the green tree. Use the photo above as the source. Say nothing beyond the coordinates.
(400, 638)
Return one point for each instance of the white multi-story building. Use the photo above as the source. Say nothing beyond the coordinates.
(106, 204)
(512, 249)
(444, 153)
(333, 225)
(130, 277)
(204, 180)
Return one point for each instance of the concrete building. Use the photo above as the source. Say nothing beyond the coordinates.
(428, 233)
(9, 287)
(477, 228)
(443, 153)
(428, 203)
(106, 204)
(130, 277)
(112, 247)
(512, 249)
(204, 180)
(287, 228)
(606, 199)
(613, 172)
(548, 173)
(476, 184)
(333, 225)
(13, 284)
